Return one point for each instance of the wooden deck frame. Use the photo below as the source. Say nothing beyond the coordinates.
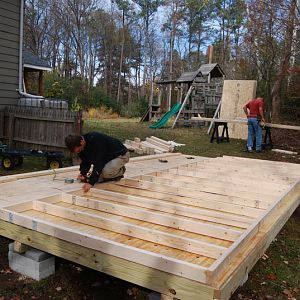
(153, 279)
(186, 270)
(169, 207)
(198, 227)
(217, 202)
(169, 210)
(205, 183)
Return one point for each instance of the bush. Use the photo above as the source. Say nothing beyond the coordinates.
(76, 91)
(54, 86)
(98, 98)
(134, 109)
(100, 113)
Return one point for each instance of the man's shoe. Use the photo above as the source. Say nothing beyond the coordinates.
(112, 179)
(117, 178)
(258, 151)
(123, 169)
(249, 149)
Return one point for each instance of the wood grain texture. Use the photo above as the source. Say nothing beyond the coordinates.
(201, 221)
(235, 94)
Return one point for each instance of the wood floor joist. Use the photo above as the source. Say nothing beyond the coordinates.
(164, 206)
(237, 178)
(251, 198)
(199, 224)
(216, 209)
(217, 184)
(200, 199)
(156, 217)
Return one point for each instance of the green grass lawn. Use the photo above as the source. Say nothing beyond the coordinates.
(196, 140)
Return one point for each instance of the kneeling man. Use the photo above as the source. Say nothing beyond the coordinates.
(107, 155)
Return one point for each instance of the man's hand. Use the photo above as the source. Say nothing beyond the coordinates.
(81, 178)
(262, 124)
(86, 187)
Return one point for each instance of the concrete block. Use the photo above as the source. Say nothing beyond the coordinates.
(11, 247)
(37, 255)
(157, 296)
(35, 264)
(154, 296)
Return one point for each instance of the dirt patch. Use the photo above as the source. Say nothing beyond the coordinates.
(286, 139)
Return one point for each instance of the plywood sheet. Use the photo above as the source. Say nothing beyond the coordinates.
(235, 94)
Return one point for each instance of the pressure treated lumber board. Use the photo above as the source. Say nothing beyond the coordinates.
(141, 275)
(269, 227)
(183, 219)
(16, 188)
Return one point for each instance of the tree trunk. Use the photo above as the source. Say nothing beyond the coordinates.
(121, 58)
(171, 64)
(129, 77)
(283, 69)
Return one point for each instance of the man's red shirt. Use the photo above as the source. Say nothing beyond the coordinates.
(253, 107)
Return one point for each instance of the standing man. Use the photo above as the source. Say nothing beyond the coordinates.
(107, 155)
(254, 110)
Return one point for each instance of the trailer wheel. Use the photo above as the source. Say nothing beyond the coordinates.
(8, 163)
(18, 161)
(54, 163)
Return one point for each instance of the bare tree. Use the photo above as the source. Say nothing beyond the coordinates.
(285, 60)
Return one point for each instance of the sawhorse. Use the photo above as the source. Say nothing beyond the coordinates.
(267, 141)
(267, 138)
(215, 134)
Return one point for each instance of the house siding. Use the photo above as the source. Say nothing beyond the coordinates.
(9, 50)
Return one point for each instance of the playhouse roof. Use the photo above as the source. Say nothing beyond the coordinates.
(187, 76)
(166, 81)
(206, 69)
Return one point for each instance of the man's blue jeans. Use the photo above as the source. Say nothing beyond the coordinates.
(254, 130)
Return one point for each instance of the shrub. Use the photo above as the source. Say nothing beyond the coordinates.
(134, 109)
(99, 113)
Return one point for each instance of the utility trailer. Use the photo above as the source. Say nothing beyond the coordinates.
(11, 158)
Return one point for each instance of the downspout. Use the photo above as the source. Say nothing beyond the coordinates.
(20, 89)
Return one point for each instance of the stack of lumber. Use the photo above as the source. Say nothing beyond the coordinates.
(151, 145)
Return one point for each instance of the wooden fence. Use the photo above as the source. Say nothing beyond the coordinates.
(38, 128)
